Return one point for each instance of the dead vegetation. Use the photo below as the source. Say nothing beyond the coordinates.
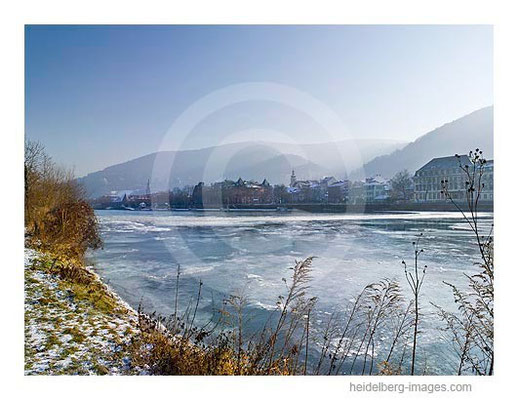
(58, 219)
(470, 330)
(283, 346)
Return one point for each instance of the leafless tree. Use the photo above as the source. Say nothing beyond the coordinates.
(401, 186)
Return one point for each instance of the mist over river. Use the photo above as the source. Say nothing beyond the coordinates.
(252, 251)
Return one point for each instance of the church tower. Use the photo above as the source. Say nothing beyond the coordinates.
(148, 189)
(293, 178)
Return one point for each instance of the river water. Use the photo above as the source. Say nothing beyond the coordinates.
(251, 252)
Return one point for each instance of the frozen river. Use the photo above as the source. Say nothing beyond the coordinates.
(252, 251)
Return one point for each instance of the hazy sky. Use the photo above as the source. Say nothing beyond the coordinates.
(99, 95)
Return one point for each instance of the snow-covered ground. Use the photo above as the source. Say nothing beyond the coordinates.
(65, 335)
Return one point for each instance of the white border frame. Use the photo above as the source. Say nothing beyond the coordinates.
(498, 13)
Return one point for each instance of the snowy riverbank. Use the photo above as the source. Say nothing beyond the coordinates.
(70, 329)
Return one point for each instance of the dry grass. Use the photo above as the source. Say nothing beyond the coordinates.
(176, 346)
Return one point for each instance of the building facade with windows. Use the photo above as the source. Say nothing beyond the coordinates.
(428, 179)
(487, 180)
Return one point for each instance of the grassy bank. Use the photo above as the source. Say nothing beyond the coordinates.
(74, 327)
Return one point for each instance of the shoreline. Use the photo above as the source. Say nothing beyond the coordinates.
(111, 291)
(314, 208)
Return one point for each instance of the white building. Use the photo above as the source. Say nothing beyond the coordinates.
(375, 189)
(428, 179)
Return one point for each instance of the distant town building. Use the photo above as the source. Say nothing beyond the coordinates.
(121, 199)
(228, 193)
(308, 191)
(338, 192)
(370, 190)
(293, 179)
(487, 180)
(428, 178)
(376, 189)
(357, 193)
(330, 190)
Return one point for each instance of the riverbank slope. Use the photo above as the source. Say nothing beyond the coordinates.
(74, 328)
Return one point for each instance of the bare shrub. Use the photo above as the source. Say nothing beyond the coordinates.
(58, 219)
(471, 328)
(415, 278)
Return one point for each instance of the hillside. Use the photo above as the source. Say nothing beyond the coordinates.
(472, 131)
(250, 160)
